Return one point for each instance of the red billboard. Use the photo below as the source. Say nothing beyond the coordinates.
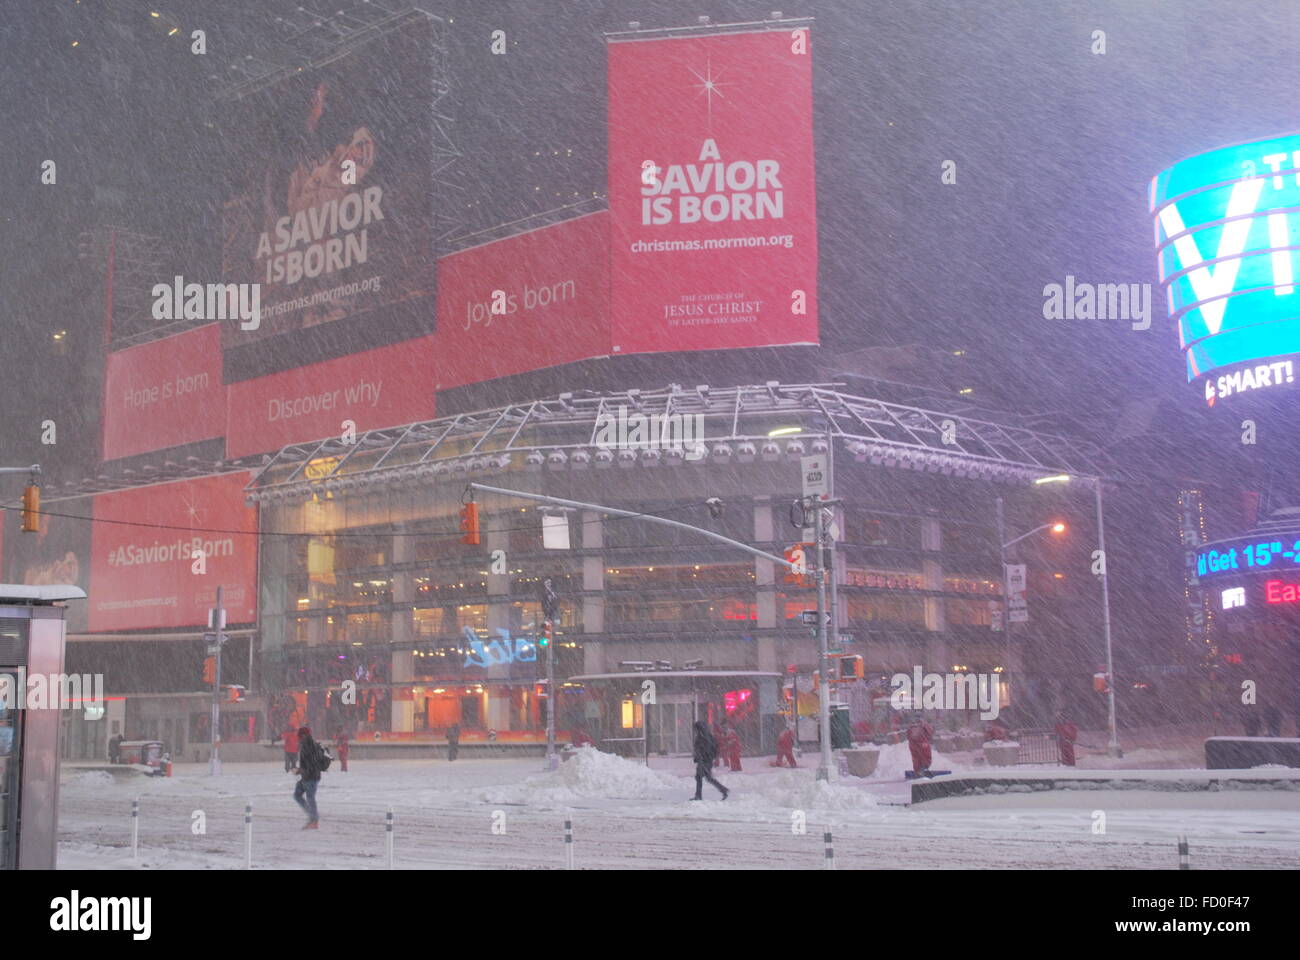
(533, 300)
(712, 192)
(376, 388)
(159, 553)
(163, 394)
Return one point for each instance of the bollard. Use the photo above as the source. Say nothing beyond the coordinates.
(830, 849)
(1183, 863)
(388, 829)
(248, 835)
(568, 841)
(135, 828)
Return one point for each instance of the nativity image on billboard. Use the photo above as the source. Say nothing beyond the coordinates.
(330, 207)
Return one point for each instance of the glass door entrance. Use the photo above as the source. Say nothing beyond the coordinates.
(671, 724)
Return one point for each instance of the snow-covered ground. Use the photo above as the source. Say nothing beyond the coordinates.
(507, 813)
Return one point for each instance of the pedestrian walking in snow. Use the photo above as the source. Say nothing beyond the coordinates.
(705, 752)
(341, 744)
(919, 736)
(453, 741)
(1066, 735)
(290, 749)
(785, 747)
(312, 762)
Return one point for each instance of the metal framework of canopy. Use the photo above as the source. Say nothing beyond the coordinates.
(565, 431)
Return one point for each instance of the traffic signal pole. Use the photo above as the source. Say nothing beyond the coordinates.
(218, 623)
(664, 521)
(823, 657)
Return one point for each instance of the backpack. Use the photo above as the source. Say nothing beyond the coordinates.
(320, 759)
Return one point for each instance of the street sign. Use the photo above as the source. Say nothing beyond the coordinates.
(809, 618)
(816, 480)
(211, 640)
(844, 638)
(1019, 616)
(1015, 578)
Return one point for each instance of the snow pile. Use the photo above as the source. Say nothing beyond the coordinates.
(1001, 743)
(799, 790)
(896, 759)
(92, 778)
(589, 775)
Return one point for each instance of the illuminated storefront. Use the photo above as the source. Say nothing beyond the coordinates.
(367, 582)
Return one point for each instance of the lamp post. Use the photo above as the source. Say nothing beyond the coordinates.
(1003, 544)
(1112, 747)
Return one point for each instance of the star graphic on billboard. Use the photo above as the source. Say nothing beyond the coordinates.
(192, 509)
(709, 87)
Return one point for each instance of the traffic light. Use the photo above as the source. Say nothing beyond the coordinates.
(539, 690)
(850, 668)
(210, 670)
(544, 639)
(31, 509)
(469, 523)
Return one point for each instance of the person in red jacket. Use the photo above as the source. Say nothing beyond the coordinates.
(733, 749)
(1066, 734)
(919, 735)
(785, 747)
(341, 744)
(290, 749)
(996, 731)
(581, 738)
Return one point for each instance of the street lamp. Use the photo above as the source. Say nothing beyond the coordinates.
(1113, 747)
(1003, 543)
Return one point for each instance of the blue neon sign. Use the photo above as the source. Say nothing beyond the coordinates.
(1248, 555)
(502, 650)
(1227, 233)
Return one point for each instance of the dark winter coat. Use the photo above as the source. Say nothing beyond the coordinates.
(705, 748)
(311, 759)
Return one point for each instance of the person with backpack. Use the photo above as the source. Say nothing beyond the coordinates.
(312, 762)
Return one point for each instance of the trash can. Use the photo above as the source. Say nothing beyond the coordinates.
(841, 728)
